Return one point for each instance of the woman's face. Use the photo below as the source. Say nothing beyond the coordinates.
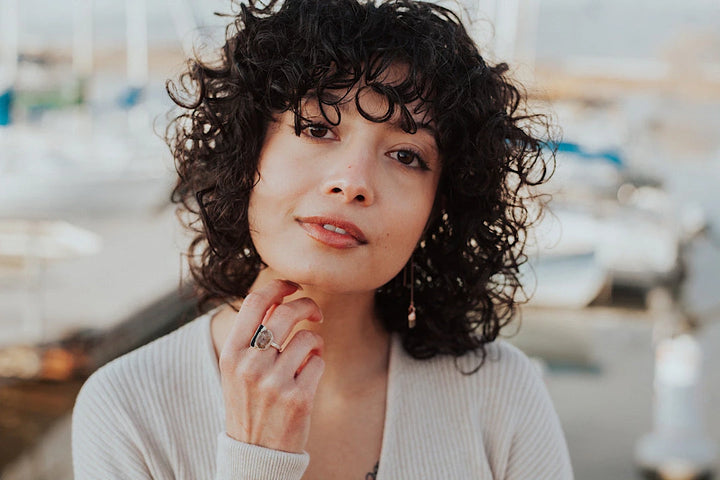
(342, 207)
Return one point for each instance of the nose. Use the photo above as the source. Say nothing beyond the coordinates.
(351, 179)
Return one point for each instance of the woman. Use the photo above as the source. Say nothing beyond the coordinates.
(354, 176)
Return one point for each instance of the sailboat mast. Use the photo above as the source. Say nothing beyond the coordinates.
(137, 44)
(9, 49)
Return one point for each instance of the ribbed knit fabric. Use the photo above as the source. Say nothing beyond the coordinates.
(157, 413)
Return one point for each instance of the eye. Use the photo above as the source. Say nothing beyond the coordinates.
(405, 156)
(318, 130)
(409, 158)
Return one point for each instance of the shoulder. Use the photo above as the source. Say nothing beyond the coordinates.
(513, 384)
(503, 356)
(134, 408)
(504, 384)
(499, 402)
(155, 358)
(507, 402)
(144, 374)
(509, 383)
(503, 367)
(509, 369)
(520, 416)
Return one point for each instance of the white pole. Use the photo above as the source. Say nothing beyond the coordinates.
(506, 26)
(9, 42)
(9, 48)
(83, 38)
(185, 24)
(480, 30)
(678, 446)
(137, 43)
(527, 33)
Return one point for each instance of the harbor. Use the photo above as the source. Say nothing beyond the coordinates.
(623, 315)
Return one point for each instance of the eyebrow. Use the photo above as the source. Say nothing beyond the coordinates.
(343, 106)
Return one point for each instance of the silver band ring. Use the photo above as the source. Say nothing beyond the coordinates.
(263, 339)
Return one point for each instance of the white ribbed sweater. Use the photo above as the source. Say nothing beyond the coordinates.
(157, 413)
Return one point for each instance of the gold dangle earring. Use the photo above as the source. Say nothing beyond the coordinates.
(411, 308)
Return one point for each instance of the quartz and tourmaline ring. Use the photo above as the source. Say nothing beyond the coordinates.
(263, 339)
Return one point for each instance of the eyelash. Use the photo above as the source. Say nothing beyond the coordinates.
(422, 164)
(306, 126)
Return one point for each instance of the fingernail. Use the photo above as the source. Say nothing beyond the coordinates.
(296, 285)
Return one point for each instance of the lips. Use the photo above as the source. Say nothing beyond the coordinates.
(333, 231)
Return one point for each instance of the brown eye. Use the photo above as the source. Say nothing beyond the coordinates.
(318, 131)
(405, 157)
(410, 159)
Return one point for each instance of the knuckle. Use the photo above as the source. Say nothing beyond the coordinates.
(298, 401)
(311, 306)
(250, 376)
(254, 300)
(282, 312)
(227, 362)
(315, 366)
(304, 337)
(236, 368)
(270, 388)
(309, 339)
(309, 302)
(316, 361)
(277, 284)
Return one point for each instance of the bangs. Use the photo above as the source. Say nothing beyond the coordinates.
(402, 90)
(336, 52)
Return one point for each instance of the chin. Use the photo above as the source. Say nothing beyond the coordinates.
(332, 281)
(330, 278)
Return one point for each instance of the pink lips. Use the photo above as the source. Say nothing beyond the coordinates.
(340, 234)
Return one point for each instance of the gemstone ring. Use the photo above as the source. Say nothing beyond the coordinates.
(263, 339)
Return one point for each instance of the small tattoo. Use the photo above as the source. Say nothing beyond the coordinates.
(373, 475)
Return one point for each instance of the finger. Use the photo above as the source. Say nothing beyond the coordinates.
(303, 344)
(284, 317)
(253, 310)
(309, 376)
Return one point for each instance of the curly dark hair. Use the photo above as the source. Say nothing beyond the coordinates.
(491, 147)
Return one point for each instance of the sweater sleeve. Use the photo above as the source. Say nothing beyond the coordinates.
(538, 448)
(243, 461)
(110, 443)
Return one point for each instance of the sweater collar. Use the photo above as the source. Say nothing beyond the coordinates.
(428, 432)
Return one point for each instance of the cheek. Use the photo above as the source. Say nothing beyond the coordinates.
(413, 230)
(254, 223)
(399, 242)
(270, 216)
(260, 209)
(262, 204)
(406, 226)
(418, 213)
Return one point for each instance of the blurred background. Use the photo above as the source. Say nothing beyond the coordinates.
(623, 320)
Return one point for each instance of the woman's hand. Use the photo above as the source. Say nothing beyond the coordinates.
(269, 394)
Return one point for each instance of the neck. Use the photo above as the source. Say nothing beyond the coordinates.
(356, 345)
